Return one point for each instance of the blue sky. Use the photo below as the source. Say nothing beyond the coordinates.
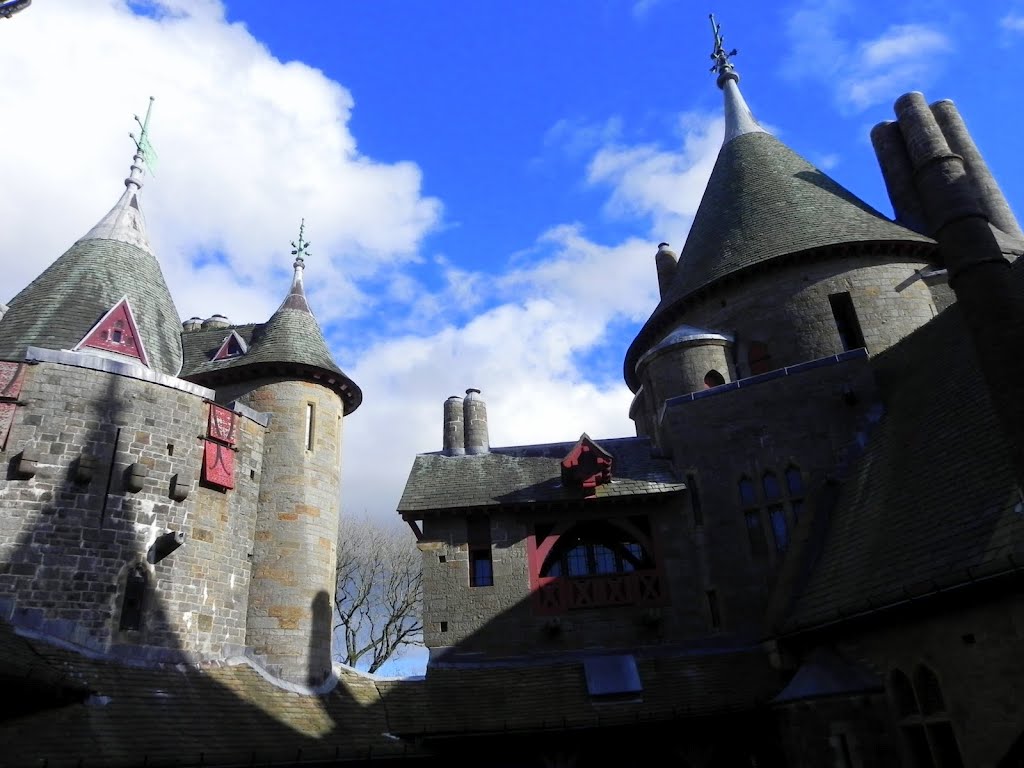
(484, 183)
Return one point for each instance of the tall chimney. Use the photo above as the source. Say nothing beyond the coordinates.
(666, 262)
(454, 439)
(475, 415)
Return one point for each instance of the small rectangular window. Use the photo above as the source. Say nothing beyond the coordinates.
(847, 323)
(310, 425)
(481, 566)
(698, 512)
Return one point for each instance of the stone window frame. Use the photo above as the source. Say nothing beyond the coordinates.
(923, 718)
(764, 509)
(138, 633)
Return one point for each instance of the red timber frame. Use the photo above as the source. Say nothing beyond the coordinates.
(554, 595)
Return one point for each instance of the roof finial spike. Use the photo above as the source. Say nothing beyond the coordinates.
(720, 56)
(301, 248)
(144, 152)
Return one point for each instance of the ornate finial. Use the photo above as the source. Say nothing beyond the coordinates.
(300, 248)
(144, 152)
(720, 56)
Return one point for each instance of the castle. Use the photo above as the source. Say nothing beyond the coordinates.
(808, 555)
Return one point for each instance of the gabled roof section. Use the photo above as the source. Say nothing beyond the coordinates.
(112, 261)
(116, 332)
(232, 346)
(525, 474)
(586, 466)
(763, 202)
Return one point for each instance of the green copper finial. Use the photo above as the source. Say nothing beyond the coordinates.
(301, 248)
(720, 56)
(143, 147)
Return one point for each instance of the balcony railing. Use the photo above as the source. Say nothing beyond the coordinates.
(562, 593)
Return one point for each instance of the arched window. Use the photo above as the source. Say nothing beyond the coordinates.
(746, 488)
(902, 694)
(781, 505)
(713, 379)
(924, 722)
(795, 490)
(595, 548)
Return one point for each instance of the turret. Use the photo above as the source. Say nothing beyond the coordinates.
(285, 369)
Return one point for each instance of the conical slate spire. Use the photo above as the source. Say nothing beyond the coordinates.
(762, 202)
(112, 261)
(290, 343)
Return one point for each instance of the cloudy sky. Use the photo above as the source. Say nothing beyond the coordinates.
(484, 183)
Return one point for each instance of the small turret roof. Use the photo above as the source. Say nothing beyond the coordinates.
(113, 260)
(763, 201)
(290, 342)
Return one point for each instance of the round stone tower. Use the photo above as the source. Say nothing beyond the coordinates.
(288, 372)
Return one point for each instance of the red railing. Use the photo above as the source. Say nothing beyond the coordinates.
(559, 594)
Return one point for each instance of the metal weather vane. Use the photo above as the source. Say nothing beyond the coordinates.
(142, 143)
(301, 248)
(720, 56)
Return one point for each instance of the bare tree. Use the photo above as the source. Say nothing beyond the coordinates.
(379, 592)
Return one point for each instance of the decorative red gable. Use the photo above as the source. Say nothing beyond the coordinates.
(587, 466)
(233, 346)
(218, 465)
(221, 425)
(116, 332)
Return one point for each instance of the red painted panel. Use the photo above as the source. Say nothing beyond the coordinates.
(116, 332)
(6, 419)
(219, 465)
(11, 377)
(221, 425)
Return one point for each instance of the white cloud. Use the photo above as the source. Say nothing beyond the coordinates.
(1012, 22)
(248, 145)
(865, 71)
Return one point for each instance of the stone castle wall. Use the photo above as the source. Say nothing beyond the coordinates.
(503, 620)
(295, 547)
(67, 542)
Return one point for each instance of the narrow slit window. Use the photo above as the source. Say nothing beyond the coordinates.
(713, 610)
(698, 512)
(481, 566)
(847, 323)
(755, 531)
(134, 600)
(780, 528)
(310, 425)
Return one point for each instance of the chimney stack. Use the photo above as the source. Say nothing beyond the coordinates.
(475, 423)
(666, 262)
(454, 439)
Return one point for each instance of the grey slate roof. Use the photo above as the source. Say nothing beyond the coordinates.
(529, 473)
(58, 308)
(932, 502)
(762, 202)
(290, 340)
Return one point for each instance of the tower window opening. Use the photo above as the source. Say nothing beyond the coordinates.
(481, 565)
(117, 333)
(310, 425)
(847, 323)
(713, 379)
(134, 599)
(758, 358)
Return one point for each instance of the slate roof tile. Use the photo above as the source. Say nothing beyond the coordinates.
(525, 474)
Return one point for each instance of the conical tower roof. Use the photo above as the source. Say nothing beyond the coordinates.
(112, 261)
(762, 203)
(290, 343)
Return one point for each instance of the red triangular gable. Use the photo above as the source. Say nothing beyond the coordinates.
(233, 346)
(587, 465)
(116, 332)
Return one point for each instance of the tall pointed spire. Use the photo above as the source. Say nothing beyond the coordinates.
(111, 263)
(738, 117)
(296, 298)
(125, 223)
